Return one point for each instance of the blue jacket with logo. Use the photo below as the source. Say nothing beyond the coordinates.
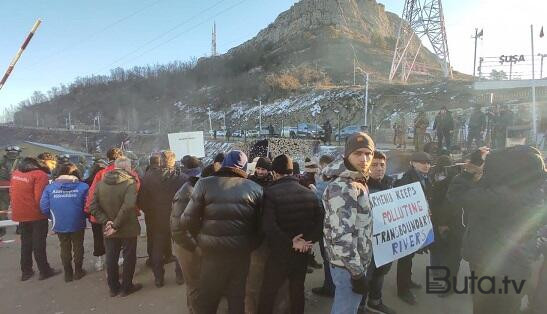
(63, 202)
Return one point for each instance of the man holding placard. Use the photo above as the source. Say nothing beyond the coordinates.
(420, 165)
(348, 223)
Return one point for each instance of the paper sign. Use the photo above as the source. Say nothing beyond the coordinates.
(187, 143)
(400, 223)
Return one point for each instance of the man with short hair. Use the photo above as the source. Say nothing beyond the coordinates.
(262, 175)
(420, 165)
(348, 222)
(97, 228)
(159, 186)
(221, 220)
(378, 181)
(114, 206)
(444, 125)
(26, 186)
(292, 221)
(477, 125)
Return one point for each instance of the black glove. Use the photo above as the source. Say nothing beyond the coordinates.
(359, 285)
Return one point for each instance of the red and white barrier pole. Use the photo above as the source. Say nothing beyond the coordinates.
(19, 53)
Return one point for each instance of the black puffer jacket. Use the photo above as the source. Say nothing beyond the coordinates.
(156, 195)
(223, 213)
(180, 201)
(289, 210)
(264, 182)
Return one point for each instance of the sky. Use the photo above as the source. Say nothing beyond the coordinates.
(80, 38)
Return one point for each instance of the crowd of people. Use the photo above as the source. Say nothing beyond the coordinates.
(249, 237)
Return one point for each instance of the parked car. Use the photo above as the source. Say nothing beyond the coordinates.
(289, 131)
(237, 133)
(345, 132)
(309, 130)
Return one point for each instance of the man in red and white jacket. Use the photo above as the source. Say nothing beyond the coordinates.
(26, 186)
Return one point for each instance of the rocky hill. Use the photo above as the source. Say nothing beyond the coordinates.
(308, 50)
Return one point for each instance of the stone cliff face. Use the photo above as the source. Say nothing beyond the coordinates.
(354, 17)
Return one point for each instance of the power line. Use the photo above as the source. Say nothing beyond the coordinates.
(163, 34)
(190, 29)
(93, 35)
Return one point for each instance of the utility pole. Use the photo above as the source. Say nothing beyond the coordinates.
(534, 113)
(481, 59)
(210, 123)
(542, 55)
(477, 36)
(366, 100)
(224, 118)
(69, 121)
(260, 117)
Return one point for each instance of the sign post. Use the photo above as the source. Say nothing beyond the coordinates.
(400, 222)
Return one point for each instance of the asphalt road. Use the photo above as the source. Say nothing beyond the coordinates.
(90, 295)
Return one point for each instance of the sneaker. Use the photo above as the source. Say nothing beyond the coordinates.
(99, 264)
(50, 273)
(27, 276)
(379, 308)
(407, 297)
(324, 292)
(159, 282)
(134, 288)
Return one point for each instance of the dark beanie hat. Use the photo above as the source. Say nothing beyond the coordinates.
(420, 157)
(264, 162)
(219, 158)
(357, 141)
(515, 166)
(235, 159)
(282, 164)
(190, 162)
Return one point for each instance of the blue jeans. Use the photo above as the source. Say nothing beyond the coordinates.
(345, 300)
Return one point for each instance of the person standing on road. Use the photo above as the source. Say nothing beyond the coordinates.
(444, 125)
(262, 175)
(221, 220)
(348, 223)
(420, 165)
(477, 126)
(189, 261)
(114, 206)
(26, 186)
(63, 201)
(292, 221)
(97, 228)
(420, 127)
(327, 128)
(378, 181)
(159, 186)
(504, 211)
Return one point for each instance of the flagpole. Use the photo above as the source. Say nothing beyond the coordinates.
(534, 113)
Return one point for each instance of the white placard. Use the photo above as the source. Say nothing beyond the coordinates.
(187, 143)
(400, 223)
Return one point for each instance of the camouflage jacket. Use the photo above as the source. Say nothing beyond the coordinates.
(348, 219)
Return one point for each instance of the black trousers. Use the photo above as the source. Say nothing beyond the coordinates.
(162, 249)
(72, 243)
(375, 279)
(128, 247)
(222, 276)
(444, 134)
(98, 239)
(275, 274)
(404, 273)
(33, 241)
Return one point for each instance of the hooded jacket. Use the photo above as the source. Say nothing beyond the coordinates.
(348, 219)
(223, 214)
(159, 186)
(26, 186)
(98, 177)
(63, 201)
(115, 200)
